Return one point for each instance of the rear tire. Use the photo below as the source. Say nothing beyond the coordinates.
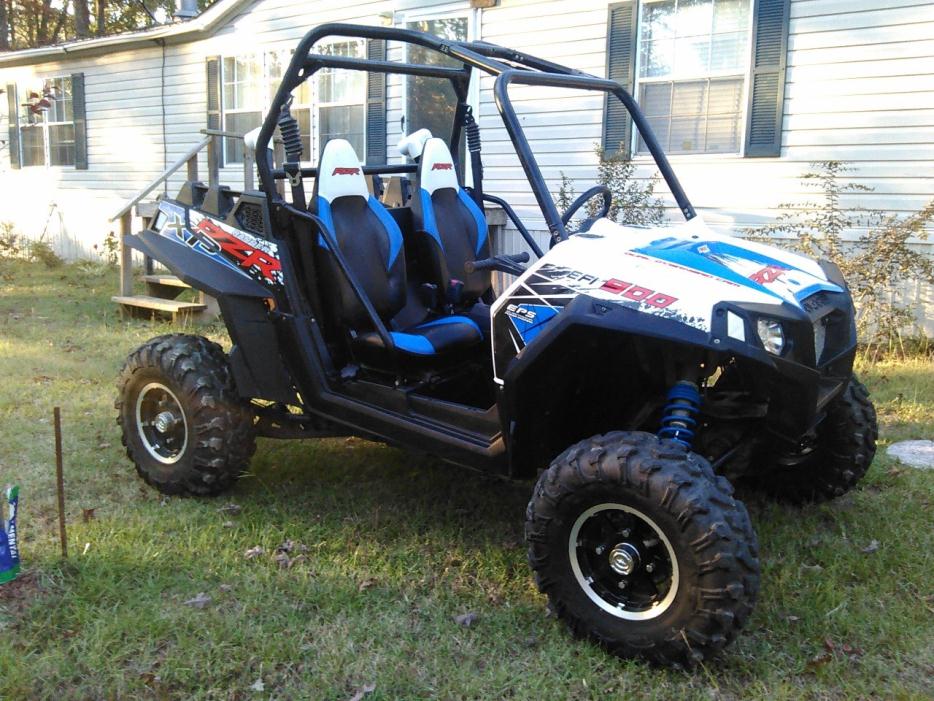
(668, 569)
(184, 425)
(838, 460)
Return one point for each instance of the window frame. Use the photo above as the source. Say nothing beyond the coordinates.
(266, 87)
(236, 159)
(473, 15)
(317, 103)
(744, 73)
(22, 90)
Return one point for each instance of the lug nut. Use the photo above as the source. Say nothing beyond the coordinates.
(650, 567)
(626, 532)
(623, 584)
(599, 550)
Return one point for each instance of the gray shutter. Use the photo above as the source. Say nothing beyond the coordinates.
(767, 89)
(214, 121)
(13, 117)
(79, 115)
(620, 66)
(376, 105)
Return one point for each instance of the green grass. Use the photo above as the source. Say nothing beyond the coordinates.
(397, 546)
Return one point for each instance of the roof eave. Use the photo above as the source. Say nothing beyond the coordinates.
(204, 25)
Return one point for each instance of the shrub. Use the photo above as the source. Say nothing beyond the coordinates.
(878, 264)
(41, 252)
(634, 200)
(14, 245)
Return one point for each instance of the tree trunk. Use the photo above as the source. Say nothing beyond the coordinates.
(82, 19)
(101, 12)
(4, 27)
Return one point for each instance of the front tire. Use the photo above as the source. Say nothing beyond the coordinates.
(836, 461)
(641, 548)
(184, 425)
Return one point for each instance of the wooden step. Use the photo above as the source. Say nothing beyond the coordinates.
(167, 280)
(145, 305)
(147, 210)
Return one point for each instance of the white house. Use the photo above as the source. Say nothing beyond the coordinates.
(744, 94)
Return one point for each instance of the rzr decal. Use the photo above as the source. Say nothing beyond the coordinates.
(769, 273)
(442, 166)
(345, 171)
(243, 248)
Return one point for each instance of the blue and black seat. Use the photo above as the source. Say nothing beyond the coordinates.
(372, 245)
(452, 229)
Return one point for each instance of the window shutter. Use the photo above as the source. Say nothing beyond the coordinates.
(13, 122)
(767, 88)
(376, 105)
(214, 121)
(620, 66)
(79, 113)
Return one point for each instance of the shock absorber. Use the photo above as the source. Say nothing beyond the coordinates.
(679, 422)
(472, 130)
(292, 144)
(291, 134)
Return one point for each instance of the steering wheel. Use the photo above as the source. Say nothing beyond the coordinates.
(583, 199)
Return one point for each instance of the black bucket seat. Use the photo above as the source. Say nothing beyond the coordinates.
(372, 245)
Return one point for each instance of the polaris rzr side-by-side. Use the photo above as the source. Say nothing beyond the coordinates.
(635, 372)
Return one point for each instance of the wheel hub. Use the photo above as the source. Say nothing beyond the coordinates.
(161, 423)
(165, 422)
(624, 559)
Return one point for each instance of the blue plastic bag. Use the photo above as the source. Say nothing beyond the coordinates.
(9, 552)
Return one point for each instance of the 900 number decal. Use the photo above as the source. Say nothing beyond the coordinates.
(659, 300)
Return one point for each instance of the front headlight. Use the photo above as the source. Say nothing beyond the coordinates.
(772, 335)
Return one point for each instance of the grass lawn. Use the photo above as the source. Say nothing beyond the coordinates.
(397, 546)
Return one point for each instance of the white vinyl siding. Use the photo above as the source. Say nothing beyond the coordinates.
(858, 88)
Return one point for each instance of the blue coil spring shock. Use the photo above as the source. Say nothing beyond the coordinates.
(679, 422)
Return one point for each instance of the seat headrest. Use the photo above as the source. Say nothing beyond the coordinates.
(436, 167)
(339, 172)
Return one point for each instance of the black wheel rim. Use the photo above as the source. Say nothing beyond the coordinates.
(161, 423)
(623, 561)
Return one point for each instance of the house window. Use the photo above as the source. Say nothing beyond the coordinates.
(276, 63)
(243, 101)
(692, 63)
(46, 123)
(430, 102)
(342, 98)
(249, 85)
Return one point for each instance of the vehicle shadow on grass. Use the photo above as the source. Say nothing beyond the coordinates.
(401, 491)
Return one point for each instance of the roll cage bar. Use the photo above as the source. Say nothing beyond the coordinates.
(509, 66)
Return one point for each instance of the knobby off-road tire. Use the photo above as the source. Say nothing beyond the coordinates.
(840, 457)
(185, 382)
(707, 531)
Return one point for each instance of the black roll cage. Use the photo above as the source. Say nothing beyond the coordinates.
(509, 66)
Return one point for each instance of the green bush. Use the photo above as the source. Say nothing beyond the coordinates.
(15, 245)
(634, 200)
(878, 265)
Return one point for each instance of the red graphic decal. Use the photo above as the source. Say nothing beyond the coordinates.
(246, 255)
(638, 294)
(442, 166)
(769, 273)
(345, 171)
(661, 300)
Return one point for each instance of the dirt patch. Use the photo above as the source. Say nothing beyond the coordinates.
(22, 590)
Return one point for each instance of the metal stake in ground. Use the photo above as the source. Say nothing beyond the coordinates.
(60, 481)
